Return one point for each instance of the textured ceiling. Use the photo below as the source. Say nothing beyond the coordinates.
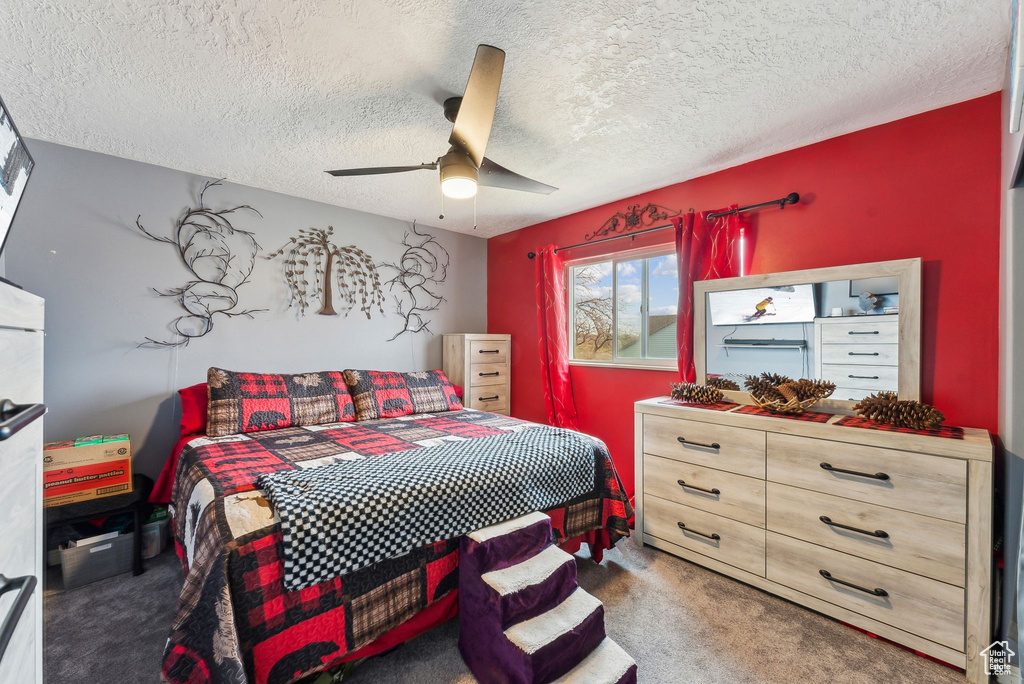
(602, 98)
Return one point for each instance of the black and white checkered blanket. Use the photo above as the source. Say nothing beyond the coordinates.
(339, 518)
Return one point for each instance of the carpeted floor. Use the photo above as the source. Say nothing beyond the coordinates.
(680, 622)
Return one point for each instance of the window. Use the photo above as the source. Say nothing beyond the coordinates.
(624, 310)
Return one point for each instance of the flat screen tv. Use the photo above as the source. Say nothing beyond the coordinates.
(757, 306)
(15, 167)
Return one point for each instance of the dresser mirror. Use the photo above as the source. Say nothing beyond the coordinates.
(858, 326)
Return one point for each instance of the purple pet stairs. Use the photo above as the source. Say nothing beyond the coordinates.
(523, 619)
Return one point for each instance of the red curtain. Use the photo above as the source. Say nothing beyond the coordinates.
(553, 327)
(705, 249)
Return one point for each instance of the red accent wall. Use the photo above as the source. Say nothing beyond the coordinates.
(925, 186)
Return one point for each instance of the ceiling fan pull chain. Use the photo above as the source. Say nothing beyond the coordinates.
(441, 215)
(474, 212)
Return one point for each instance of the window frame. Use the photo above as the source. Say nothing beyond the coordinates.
(617, 361)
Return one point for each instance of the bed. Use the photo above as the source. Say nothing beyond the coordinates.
(236, 622)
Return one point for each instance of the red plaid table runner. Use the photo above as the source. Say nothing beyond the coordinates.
(948, 432)
(811, 416)
(720, 406)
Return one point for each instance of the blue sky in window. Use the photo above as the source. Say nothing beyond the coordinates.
(664, 285)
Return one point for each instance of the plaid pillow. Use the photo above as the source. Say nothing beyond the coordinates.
(250, 402)
(384, 394)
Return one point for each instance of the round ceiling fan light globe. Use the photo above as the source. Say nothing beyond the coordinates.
(457, 187)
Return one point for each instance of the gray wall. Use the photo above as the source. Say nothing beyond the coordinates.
(74, 243)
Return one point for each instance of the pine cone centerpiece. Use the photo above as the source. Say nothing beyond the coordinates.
(781, 394)
(693, 393)
(722, 384)
(886, 407)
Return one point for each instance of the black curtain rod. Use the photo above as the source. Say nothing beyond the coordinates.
(791, 198)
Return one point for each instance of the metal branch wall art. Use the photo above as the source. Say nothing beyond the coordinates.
(350, 266)
(420, 270)
(220, 256)
(634, 218)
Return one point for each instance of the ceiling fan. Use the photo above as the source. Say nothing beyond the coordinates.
(464, 166)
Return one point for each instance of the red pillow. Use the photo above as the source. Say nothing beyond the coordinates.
(193, 409)
(385, 394)
(249, 402)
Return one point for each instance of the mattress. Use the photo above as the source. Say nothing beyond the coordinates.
(235, 621)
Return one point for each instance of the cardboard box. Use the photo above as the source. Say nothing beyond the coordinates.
(86, 468)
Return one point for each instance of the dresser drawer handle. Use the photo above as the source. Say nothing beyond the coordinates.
(874, 592)
(864, 377)
(714, 535)
(881, 534)
(713, 445)
(492, 398)
(489, 375)
(832, 469)
(713, 490)
(863, 353)
(489, 351)
(862, 332)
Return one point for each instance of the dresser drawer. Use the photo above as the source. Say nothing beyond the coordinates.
(922, 606)
(851, 394)
(915, 543)
(861, 377)
(929, 485)
(860, 354)
(739, 545)
(483, 374)
(737, 450)
(861, 331)
(733, 496)
(488, 351)
(488, 398)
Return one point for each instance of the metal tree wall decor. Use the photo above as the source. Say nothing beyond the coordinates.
(420, 270)
(220, 256)
(634, 218)
(353, 269)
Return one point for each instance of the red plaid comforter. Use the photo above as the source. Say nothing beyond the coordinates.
(236, 623)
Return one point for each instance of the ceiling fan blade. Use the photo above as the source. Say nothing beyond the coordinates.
(496, 176)
(372, 171)
(476, 113)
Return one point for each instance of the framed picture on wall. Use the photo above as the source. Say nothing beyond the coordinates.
(15, 167)
(884, 285)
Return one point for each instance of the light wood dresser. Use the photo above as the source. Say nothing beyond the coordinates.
(887, 531)
(858, 353)
(482, 364)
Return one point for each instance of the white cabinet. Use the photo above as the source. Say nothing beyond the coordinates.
(21, 463)
(859, 354)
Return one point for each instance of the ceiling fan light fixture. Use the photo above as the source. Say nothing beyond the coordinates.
(458, 175)
(458, 188)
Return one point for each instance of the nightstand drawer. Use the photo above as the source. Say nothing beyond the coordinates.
(908, 541)
(488, 398)
(737, 450)
(861, 330)
(929, 485)
(922, 606)
(488, 351)
(726, 540)
(861, 377)
(732, 496)
(482, 374)
(860, 354)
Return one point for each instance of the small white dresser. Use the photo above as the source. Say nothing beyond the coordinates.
(482, 364)
(887, 531)
(21, 486)
(858, 353)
